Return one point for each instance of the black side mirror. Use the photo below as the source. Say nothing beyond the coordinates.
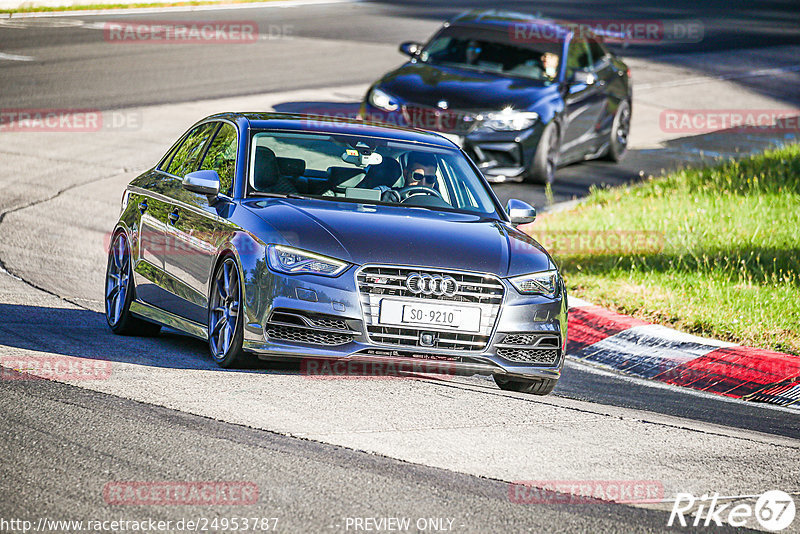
(583, 77)
(411, 48)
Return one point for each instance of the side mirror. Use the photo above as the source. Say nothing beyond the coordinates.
(582, 77)
(411, 48)
(203, 182)
(520, 212)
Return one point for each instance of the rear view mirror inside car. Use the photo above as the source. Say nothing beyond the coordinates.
(362, 158)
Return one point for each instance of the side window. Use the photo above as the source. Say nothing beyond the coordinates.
(578, 57)
(221, 157)
(597, 51)
(165, 162)
(185, 159)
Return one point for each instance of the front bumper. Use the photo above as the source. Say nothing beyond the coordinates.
(318, 318)
(501, 156)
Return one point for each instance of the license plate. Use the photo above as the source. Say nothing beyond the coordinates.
(398, 313)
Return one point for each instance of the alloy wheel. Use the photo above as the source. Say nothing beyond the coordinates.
(117, 279)
(224, 309)
(552, 154)
(623, 127)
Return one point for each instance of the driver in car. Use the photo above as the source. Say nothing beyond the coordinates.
(420, 170)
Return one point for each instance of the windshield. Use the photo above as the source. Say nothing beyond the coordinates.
(365, 169)
(494, 51)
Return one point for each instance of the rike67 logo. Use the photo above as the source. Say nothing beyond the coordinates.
(774, 510)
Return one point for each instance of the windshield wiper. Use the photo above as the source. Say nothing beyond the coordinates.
(276, 195)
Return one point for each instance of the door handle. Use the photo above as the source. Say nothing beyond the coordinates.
(174, 216)
(143, 206)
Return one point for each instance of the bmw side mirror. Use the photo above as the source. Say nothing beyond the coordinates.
(583, 77)
(411, 48)
(203, 182)
(520, 212)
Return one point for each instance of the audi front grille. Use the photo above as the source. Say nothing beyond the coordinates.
(477, 290)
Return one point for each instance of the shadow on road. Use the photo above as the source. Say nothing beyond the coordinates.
(84, 334)
(81, 333)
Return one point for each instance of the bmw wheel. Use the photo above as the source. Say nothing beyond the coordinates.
(536, 387)
(119, 292)
(545, 161)
(225, 328)
(620, 131)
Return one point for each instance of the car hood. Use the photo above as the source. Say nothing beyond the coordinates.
(362, 234)
(463, 89)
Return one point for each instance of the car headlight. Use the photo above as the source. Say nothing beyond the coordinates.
(295, 261)
(542, 283)
(507, 121)
(382, 100)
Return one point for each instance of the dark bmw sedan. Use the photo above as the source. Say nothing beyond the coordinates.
(521, 95)
(320, 239)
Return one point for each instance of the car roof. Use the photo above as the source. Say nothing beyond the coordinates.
(335, 125)
(506, 20)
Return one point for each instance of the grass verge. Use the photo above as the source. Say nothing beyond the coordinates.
(712, 251)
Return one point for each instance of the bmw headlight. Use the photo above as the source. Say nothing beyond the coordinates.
(291, 260)
(507, 121)
(542, 283)
(382, 100)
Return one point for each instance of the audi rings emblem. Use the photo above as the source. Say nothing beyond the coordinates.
(432, 284)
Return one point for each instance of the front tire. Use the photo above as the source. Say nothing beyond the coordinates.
(545, 161)
(543, 386)
(119, 292)
(620, 132)
(225, 319)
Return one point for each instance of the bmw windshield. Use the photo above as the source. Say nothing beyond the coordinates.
(365, 169)
(533, 57)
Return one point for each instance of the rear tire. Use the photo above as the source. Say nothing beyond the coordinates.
(225, 318)
(543, 386)
(545, 161)
(620, 132)
(120, 292)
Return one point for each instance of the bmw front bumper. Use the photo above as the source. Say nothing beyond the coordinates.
(501, 156)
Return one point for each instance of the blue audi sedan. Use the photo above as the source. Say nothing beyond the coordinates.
(291, 237)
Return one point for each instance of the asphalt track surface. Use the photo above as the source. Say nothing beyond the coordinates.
(323, 452)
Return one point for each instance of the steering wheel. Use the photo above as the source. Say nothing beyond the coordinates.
(412, 190)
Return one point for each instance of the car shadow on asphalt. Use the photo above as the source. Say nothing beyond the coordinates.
(84, 333)
(40, 331)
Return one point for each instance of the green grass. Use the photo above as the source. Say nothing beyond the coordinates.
(726, 259)
(38, 9)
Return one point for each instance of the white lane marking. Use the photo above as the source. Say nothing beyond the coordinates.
(654, 333)
(177, 9)
(575, 302)
(15, 57)
(723, 77)
(597, 369)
